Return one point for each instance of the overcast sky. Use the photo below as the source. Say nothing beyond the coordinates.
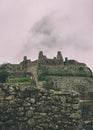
(28, 26)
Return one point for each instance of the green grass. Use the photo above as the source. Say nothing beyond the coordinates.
(19, 83)
(21, 79)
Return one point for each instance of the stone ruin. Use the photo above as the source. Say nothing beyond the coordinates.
(56, 61)
(66, 105)
(43, 60)
(31, 108)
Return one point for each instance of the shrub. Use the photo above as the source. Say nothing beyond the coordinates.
(48, 85)
(42, 74)
(3, 76)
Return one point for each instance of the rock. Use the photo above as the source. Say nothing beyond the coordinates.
(42, 109)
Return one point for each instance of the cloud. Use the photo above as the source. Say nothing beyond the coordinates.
(26, 27)
(42, 36)
(71, 32)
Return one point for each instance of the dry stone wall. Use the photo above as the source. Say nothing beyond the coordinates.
(30, 108)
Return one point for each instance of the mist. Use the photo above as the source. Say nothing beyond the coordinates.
(28, 27)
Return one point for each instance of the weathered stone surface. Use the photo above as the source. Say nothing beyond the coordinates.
(40, 109)
(24, 103)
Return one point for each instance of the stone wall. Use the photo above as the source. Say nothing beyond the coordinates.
(30, 108)
(82, 85)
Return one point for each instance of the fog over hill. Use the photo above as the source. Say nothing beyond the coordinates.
(26, 27)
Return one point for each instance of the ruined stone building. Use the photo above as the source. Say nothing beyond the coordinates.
(66, 80)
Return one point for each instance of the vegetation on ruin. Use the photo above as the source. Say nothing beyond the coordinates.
(18, 81)
(3, 76)
(48, 84)
(34, 91)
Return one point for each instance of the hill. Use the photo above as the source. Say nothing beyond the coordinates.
(53, 76)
